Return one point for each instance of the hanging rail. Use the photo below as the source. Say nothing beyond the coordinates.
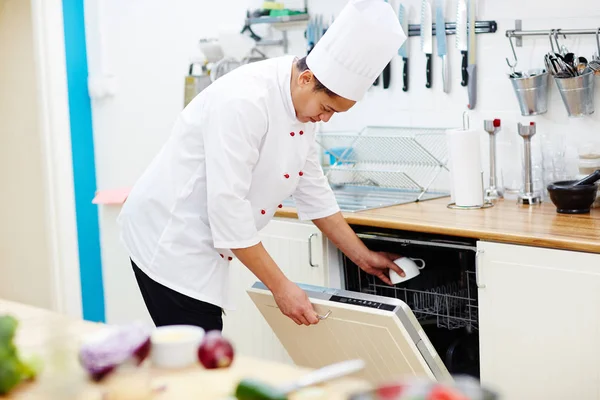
(518, 34)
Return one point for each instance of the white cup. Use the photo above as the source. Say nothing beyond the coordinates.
(410, 268)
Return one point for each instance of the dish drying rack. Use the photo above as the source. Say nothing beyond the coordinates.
(382, 166)
(453, 305)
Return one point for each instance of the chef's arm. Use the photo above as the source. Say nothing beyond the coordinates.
(291, 300)
(344, 238)
(257, 259)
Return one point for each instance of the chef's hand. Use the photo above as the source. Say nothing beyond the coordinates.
(294, 303)
(378, 263)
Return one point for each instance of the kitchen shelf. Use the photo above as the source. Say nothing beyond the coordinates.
(277, 20)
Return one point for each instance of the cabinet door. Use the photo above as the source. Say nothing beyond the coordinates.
(288, 243)
(539, 322)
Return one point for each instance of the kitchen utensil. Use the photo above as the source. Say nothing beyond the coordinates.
(403, 51)
(531, 90)
(386, 76)
(426, 37)
(328, 373)
(570, 198)
(472, 67)
(387, 72)
(461, 38)
(528, 196)
(589, 180)
(440, 33)
(410, 268)
(492, 128)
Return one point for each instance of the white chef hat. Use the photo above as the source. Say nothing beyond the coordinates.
(356, 48)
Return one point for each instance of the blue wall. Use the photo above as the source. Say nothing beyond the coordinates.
(84, 168)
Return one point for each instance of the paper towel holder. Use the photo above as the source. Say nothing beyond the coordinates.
(487, 203)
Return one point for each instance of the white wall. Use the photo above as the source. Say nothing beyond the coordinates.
(25, 258)
(147, 46)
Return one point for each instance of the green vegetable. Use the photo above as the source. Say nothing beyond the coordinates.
(13, 370)
(252, 389)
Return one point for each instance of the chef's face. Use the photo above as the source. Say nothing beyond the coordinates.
(313, 103)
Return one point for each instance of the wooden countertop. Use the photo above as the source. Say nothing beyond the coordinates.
(56, 339)
(505, 222)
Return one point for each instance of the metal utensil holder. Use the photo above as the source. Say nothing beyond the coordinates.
(410, 160)
(532, 93)
(577, 94)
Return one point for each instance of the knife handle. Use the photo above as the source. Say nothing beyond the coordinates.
(386, 76)
(465, 74)
(405, 75)
(472, 89)
(428, 71)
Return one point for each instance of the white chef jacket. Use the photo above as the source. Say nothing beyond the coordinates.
(235, 153)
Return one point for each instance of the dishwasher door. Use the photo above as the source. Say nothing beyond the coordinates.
(381, 331)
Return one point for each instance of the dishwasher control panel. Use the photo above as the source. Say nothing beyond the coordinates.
(362, 302)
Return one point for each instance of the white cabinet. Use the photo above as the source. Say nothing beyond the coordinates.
(539, 313)
(299, 250)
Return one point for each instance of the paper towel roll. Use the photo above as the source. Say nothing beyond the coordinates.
(465, 167)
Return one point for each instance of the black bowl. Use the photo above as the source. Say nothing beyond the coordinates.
(570, 199)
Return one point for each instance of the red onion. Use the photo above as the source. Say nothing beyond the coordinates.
(215, 351)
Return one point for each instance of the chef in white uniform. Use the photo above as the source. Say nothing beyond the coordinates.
(240, 148)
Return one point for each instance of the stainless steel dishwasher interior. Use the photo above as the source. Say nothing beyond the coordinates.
(443, 297)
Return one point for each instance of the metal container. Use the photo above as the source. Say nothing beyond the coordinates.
(577, 94)
(194, 84)
(532, 93)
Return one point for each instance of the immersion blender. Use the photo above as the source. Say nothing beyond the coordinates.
(492, 193)
(527, 196)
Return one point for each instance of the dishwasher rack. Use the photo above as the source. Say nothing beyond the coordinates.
(453, 305)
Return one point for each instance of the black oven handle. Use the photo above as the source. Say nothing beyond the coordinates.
(394, 239)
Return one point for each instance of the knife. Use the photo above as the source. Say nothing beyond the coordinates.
(426, 39)
(471, 69)
(440, 33)
(403, 51)
(387, 72)
(461, 38)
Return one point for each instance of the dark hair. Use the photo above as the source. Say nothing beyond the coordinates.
(319, 87)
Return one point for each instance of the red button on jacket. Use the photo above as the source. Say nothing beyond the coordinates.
(263, 212)
(292, 133)
(301, 132)
(300, 173)
(280, 206)
(286, 176)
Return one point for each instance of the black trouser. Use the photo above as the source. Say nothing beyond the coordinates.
(168, 307)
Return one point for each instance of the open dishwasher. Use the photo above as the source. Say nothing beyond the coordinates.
(424, 327)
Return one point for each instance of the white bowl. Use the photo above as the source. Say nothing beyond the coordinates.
(176, 346)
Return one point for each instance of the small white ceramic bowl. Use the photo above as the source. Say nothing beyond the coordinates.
(176, 346)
